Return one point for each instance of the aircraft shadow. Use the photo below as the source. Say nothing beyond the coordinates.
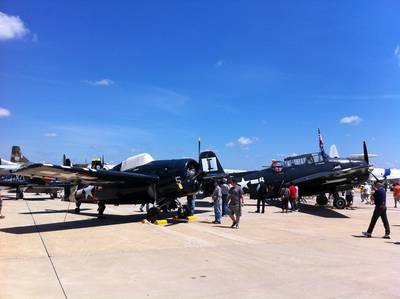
(312, 210)
(320, 211)
(84, 223)
(203, 204)
(395, 243)
(49, 211)
(77, 224)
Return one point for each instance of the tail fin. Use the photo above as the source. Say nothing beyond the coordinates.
(66, 161)
(209, 163)
(17, 156)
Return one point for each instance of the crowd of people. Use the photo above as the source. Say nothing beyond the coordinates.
(228, 201)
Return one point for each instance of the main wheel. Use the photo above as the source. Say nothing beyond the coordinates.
(20, 195)
(322, 200)
(339, 203)
(153, 214)
(183, 212)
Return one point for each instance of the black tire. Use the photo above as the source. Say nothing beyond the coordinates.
(54, 195)
(153, 214)
(77, 210)
(322, 200)
(20, 195)
(339, 203)
(183, 212)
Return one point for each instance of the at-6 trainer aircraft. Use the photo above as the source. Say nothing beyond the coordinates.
(137, 180)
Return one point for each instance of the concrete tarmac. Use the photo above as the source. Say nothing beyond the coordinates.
(46, 251)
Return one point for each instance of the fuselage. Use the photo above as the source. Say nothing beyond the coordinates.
(312, 173)
(176, 178)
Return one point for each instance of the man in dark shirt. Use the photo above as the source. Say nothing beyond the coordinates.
(379, 197)
(261, 197)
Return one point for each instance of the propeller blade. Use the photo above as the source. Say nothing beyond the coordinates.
(366, 158)
(378, 180)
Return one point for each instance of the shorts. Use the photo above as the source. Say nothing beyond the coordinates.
(235, 210)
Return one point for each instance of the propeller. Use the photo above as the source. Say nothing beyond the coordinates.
(378, 180)
(366, 158)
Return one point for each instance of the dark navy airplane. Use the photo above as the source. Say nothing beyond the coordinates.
(314, 174)
(138, 180)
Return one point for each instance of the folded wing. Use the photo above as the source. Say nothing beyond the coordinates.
(85, 175)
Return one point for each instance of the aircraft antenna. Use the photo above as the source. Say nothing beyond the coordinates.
(199, 146)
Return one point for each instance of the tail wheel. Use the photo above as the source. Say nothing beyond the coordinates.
(339, 203)
(20, 195)
(153, 214)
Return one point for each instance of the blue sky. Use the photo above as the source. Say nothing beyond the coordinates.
(253, 79)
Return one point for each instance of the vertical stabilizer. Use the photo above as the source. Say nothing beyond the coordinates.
(17, 156)
(209, 163)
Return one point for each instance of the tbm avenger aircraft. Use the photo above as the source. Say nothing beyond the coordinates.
(313, 173)
(137, 180)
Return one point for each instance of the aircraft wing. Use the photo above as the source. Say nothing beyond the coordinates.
(85, 175)
(327, 174)
(315, 176)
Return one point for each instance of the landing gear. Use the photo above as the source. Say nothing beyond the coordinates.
(78, 207)
(101, 209)
(19, 194)
(153, 214)
(322, 200)
(183, 212)
(53, 195)
(339, 203)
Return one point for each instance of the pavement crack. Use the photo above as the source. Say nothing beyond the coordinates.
(47, 251)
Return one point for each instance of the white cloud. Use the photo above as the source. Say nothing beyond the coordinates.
(50, 135)
(397, 53)
(11, 27)
(4, 112)
(351, 120)
(219, 63)
(246, 140)
(102, 82)
(243, 142)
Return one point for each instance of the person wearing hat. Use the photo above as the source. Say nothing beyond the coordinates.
(225, 191)
(217, 199)
(235, 203)
(379, 197)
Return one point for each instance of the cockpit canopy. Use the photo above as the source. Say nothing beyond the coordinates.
(305, 159)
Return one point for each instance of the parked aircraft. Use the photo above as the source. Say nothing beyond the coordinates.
(313, 173)
(22, 184)
(138, 179)
(390, 175)
(16, 161)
